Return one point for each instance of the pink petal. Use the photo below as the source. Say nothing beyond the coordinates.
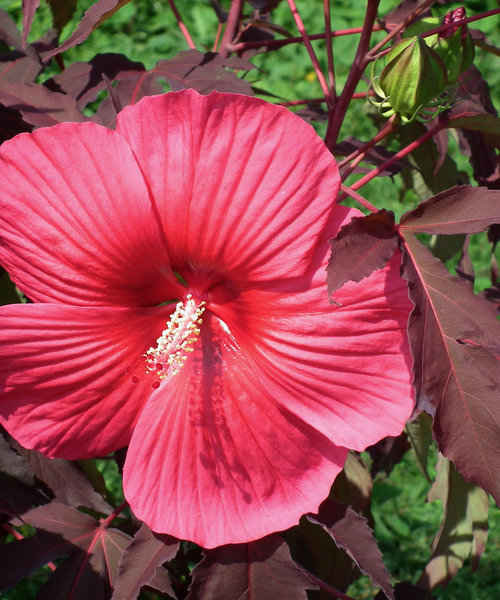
(243, 187)
(214, 459)
(77, 224)
(71, 381)
(345, 370)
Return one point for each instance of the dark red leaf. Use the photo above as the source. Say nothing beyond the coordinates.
(62, 11)
(83, 81)
(261, 569)
(189, 69)
(93, 17)
(455, 342)
(352, 533)
(62, 530)
(140, 562)
(462, 209)
(38, 105)
(9, 32)
(19, 67)
(29, 8)
(65, 479)
(407, 591)
(362, 246)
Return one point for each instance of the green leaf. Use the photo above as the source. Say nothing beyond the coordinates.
(420, 437)
(463, 530)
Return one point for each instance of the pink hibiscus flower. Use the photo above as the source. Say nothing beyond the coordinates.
(177, 272)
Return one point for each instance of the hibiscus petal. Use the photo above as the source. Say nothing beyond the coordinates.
(214, 460)
(76, 223)
(71, 382)
(243, 187)
(345, 370)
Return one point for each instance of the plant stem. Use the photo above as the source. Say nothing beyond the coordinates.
(329, 52)
(419, 9)
(181, 25)
(483, 15)
(337, 116)
(327, 588)
(357, 156)
(310, 50)
(110, 518)
(347, 191)
(401, 154)
(20, 536)
(231, 26)
(295, 40)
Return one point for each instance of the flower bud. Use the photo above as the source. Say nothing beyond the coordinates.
(455, 46)
(414, 75)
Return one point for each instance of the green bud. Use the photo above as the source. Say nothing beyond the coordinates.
(414, 75)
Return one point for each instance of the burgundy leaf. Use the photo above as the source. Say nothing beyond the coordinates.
(462, 209)
(83, 81)
(464, 268)
(353, 485)
(62, 530)
(407, 591)
(65, 479)
(261, 569)
(38, 105)
(376, 155)
(352, 533)
(464, 528)
(62, 11)
(203, 72)
(22, 557)
(17, 67)
(9, 32)
(189, 69)
(140, 562)
(387, 453)
(455, 342)
(29, 8)
(93, 17)
(362, 246)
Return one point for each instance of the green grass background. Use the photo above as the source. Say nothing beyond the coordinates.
(146, 31)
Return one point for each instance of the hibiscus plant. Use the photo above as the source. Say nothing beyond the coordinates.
(216, 336)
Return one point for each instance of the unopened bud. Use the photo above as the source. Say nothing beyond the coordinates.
(414, 75)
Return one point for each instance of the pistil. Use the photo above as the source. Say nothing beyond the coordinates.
(176, 341)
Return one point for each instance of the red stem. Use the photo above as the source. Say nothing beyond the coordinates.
(181, 25)
(329, 52)
(310, 50)
(488, 13)
(110, 518)
(295, 40)
(355, 196)
(401, 154)
(419, 9)
(232, 24)
(359, 64)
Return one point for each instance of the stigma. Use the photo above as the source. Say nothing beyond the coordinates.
(176, 341)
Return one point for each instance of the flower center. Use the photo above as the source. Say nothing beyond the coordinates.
(177, 339)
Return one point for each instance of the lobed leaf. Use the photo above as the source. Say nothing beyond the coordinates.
(29, 9)
(463, 529)
(455, 342)
(263, 569)
(352, 533)
(93, 17)
(141, 561)
(65, 479)
(461, 209)
(362, 246)
(38, 105)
